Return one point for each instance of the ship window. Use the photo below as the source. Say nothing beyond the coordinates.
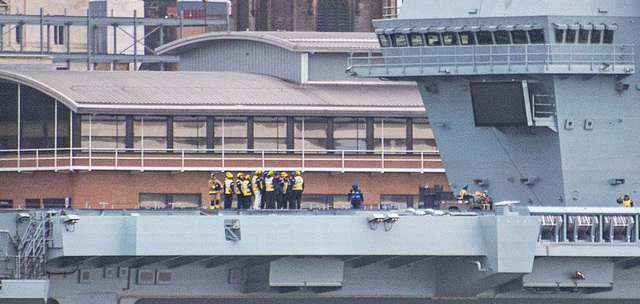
(230, 134)
(150, 133)
(384, 40)
(416, 39)
(536, 36)
(390, 132)
(559, 36)
(423, 139)
(519, 37)
(399, 40)
(311, 132)
(449, 38)
(484, 38)
(190, 133)
(608, 37)
(349, 134)
(433, 39)
(583, 36)
(270, 133)
(467, 38)
(596, 35)
(571, 36)
(502, 37)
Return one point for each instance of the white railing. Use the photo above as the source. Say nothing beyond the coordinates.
(571, 58)
(215, 160)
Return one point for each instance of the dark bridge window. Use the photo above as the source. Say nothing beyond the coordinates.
(333, 16)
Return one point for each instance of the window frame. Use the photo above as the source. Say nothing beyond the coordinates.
(584, 36)
(454, 38)
(593, 35)
(541, 35)
(480, 41)
(386, 42)
(524, 34)
(604, 36)
(420, 35)
(471, 36)
(394, 40)
(427, 39)
(562, 35)
(501, 41)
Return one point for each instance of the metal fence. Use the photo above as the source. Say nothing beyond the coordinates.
(442, 60)
(181, 160)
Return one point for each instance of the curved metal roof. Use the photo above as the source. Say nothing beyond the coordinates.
(215, 93)
(323, 42)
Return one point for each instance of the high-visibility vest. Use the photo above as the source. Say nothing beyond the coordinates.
(215, 187)
(255, 183)
(238, 187)
(297, 183)
(268, 184)
(356, 195)
(626, 203)
(228, 186)
(463, 193)
(246, 188)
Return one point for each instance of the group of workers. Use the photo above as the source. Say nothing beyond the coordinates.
(260, 191)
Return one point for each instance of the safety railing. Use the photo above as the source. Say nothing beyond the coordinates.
(213, 160)
(494, 59)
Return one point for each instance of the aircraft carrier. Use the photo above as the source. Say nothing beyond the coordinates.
(535, 102)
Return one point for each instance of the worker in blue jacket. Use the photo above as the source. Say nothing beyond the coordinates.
(356, 197)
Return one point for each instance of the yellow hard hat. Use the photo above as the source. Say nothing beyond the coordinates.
(298, 173)
(284, 174)
(229, 175)
(478, 193)
(247, 176)
(240, 174)
(212, 176)
(258, 171)
(271, 172)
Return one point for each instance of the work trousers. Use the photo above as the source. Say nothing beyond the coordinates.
(245, 202)
(257, 199)
(228, 200)
(356, 204)
(270, 200)
(215, 198)
(296, 199)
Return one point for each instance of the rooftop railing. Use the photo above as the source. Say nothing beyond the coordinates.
(218, 160)
(494, 59)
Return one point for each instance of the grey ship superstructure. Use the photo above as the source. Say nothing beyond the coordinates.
(532, 101)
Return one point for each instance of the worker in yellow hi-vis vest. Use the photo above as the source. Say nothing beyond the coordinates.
(269, 191)
(296, 191)
(228, 190)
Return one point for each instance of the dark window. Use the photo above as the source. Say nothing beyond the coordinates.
(333, 16)
(559, 36)
(583, 36)
(37, 119)
(449, 38)
(502, 37)
(596, 35)
(64, 126)
(169, 200)
(384, 40)
(433, 39)
(19, 33)
(416, 39)
(6, 203)
(54, 203)
(498, 104)
(608, 37)
(8, 116)
(484, 38)
(399, 40)
(58, 35)
(536, 36)
(32, 203)
(571, 36)
(467, 38)
(519, 37)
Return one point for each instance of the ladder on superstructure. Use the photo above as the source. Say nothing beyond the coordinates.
(32, 249)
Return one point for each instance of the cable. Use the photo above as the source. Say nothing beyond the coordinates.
(514, 164)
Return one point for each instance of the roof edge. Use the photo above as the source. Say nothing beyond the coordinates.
(175, 46)
(40, 86)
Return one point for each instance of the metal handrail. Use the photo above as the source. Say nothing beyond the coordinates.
(191, 159)
(494, 55)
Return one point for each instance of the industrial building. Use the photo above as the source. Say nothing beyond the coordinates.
(151, 139)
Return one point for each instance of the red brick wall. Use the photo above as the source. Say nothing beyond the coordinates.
(121, 188)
